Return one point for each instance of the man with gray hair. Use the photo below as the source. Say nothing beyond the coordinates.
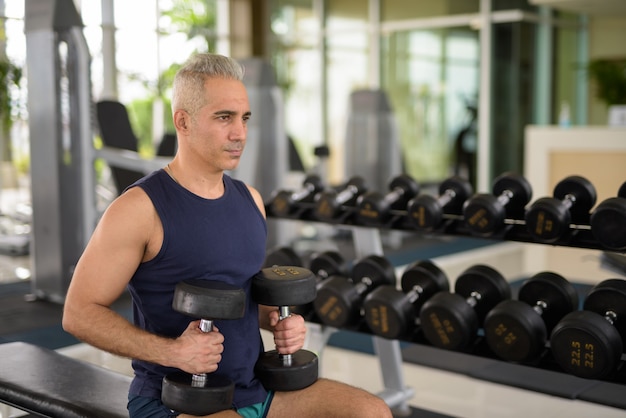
(190, 220)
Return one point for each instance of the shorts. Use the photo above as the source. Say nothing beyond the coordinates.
(144, 407)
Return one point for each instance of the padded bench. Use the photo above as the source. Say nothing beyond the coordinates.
(45, 383)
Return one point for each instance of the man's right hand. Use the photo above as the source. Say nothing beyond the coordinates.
(198, 351)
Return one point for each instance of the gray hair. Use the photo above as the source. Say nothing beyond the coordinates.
(188, 86)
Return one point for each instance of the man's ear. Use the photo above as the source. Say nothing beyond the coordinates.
(181, 120)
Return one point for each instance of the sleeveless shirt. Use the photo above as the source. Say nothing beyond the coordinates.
(216, 239)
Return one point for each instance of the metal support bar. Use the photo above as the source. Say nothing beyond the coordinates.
(367, 241)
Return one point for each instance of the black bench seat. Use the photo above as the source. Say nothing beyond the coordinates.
(45, 383)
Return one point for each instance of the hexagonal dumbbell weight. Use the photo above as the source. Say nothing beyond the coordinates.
(485, 214)
(285, 202)
(590, 343)
(451, 320)
(425, 212)
(392, 313)
(283, 256)
(339, 298)
(374, 208)
(328, 203)
(206, 393)
(517, 330)
(285, 286)
(608, 221)
(548, 219)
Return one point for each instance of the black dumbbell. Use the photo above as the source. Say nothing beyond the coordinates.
(323, 265)
(589, 343)
(392, 313)
(549, 218)
(285, 202)
(328, 203)
(425, 212)
(608, 221)
(485, 214)
(374, 208)
(283, 256)
(451, 320)
(339, 298)
(285, 286)
(518, 330)
(206, 393)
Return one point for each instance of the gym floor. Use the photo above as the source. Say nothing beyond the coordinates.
(437, 392)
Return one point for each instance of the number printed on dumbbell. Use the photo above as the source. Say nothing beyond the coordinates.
(590, 343)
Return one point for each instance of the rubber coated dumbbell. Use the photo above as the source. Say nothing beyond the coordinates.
(451, 320)
(328, 203)
(323, 265)
(392, 313)
(608, 221)
(549, 218)
(339, 298)
(589, 343)
(285, 202)
(425, 212)
(485, 214)
(206, 393)
(518, 330)
(374, 208)
(284, 286)
(283, 256)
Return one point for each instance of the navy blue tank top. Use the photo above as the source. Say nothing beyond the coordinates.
(216, 239)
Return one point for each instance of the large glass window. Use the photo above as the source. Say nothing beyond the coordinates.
(431, 77)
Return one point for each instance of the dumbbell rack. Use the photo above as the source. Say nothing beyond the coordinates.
(367, 242)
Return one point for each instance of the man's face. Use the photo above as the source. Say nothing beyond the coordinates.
(218, 131)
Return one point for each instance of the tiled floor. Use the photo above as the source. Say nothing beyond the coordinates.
(435, 390)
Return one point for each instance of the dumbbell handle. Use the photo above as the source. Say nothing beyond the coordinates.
(394, 195)
(505, 197)
(301, 194)
(540, 307)
(284, 312)
(347, 193)
(569, 200)
(611, 317)
(473, 299)
(198, 380)
(446, 197)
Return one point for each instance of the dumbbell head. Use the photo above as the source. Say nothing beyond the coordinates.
(485, 214)
(374, 207)
(549, 219)
(338, 301)
(425, 212)
(283, 256)
(608, 221)
(391, 313)
(517, 330)
(283, 286)
(589, 343)
(328, 203)
(326, 264)
(451, 321)
(207, 299)
(285, 202)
